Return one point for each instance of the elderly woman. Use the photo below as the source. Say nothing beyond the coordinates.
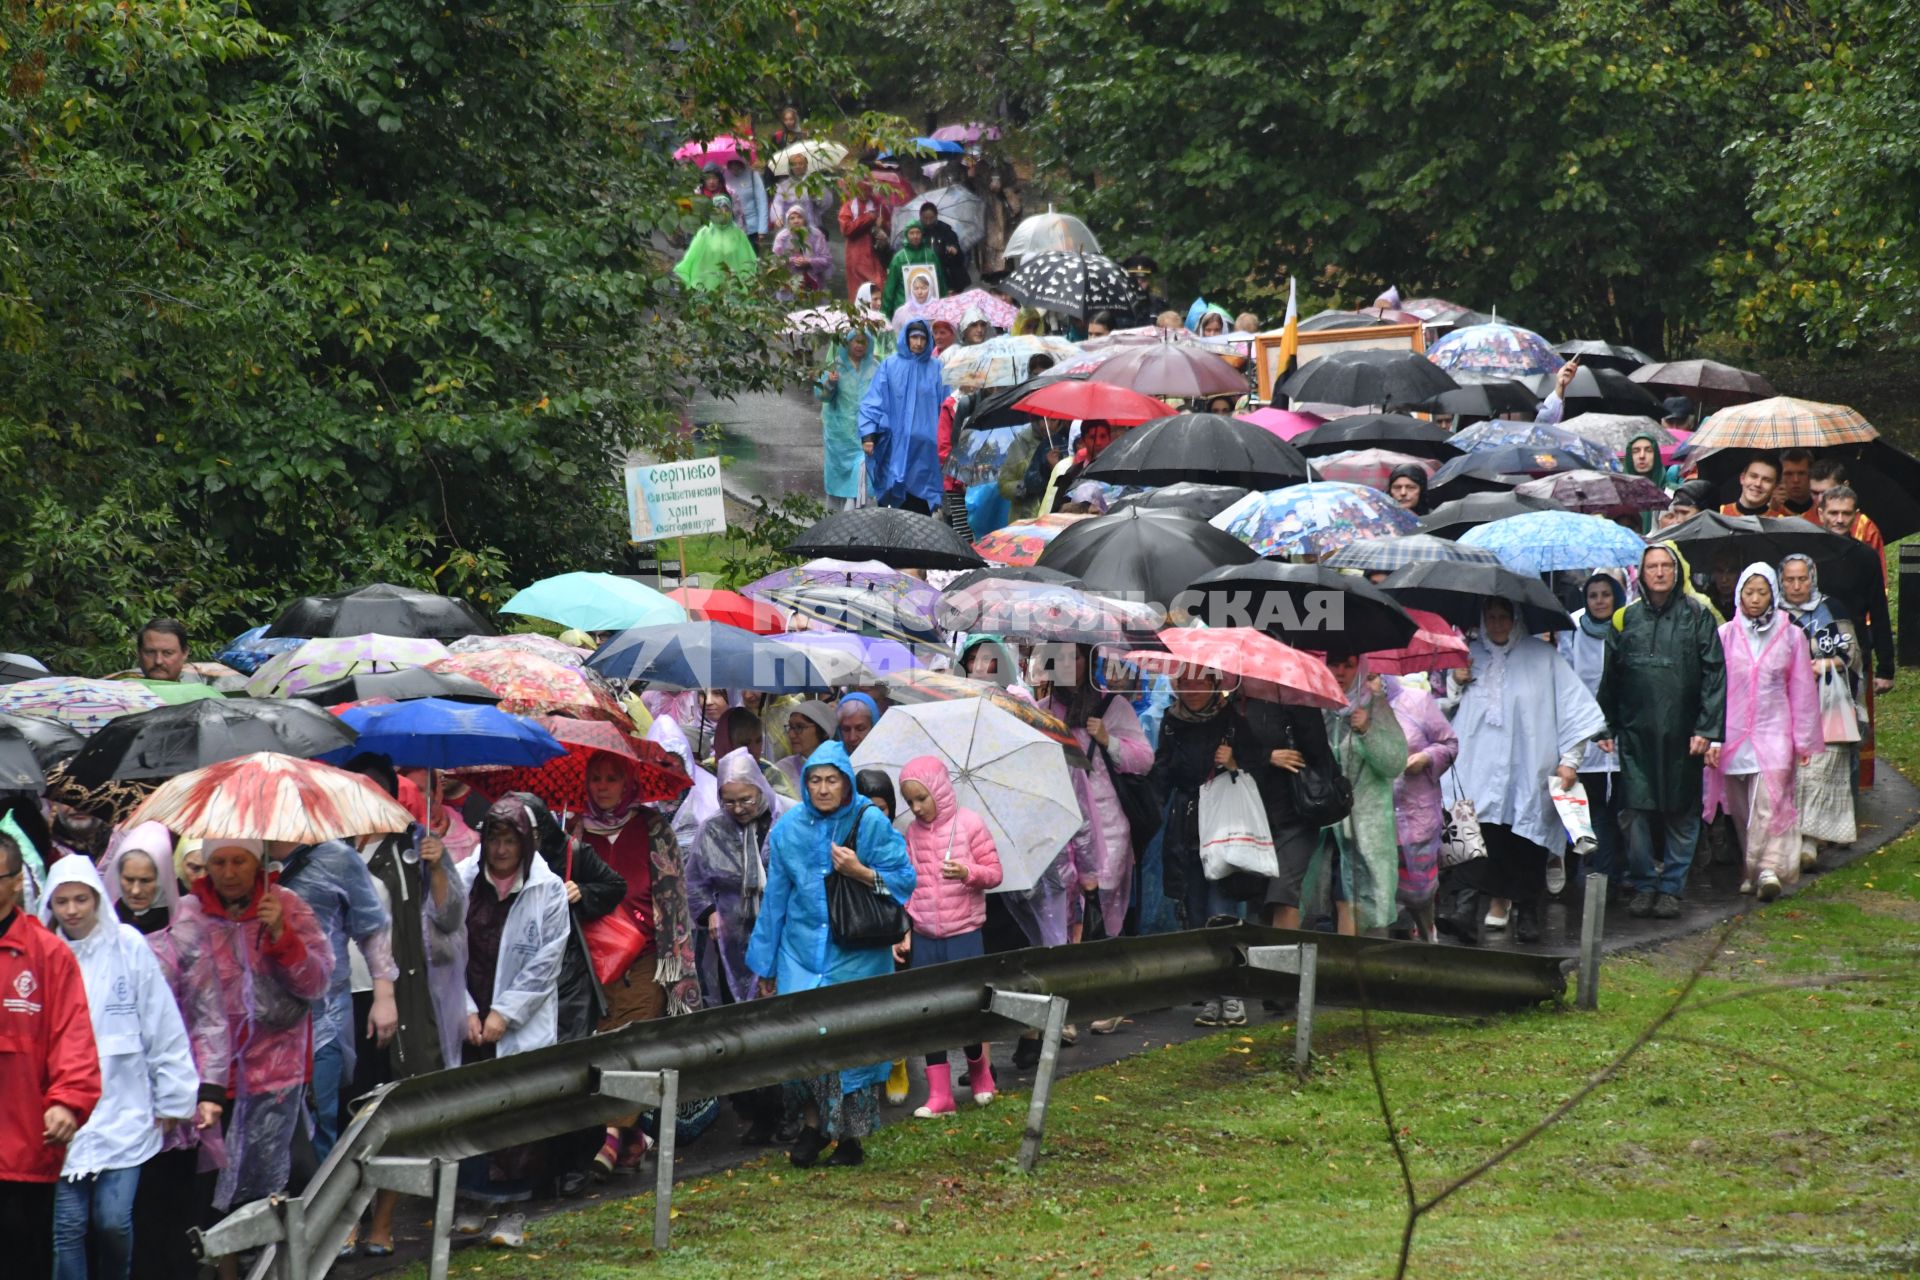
(793, 948)
(803, 247)
(1584, 646)
(1363, 848)
(1822, 791)
(810, 723)
(1407, 486)
(1418, 812)
(858, 714)
(727, 869)
(143, 894)
(839, 391)
(1773, 726)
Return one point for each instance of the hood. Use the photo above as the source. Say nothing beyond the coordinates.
(738, 765)
(1659, 472)
(1008, 671)
(843, 358)
(931, 773)
(548, 835)
(975, 315)
(831, 755)
(861, 699)
(511, 811)
(75, 869)
(900, 343)
(154, 840)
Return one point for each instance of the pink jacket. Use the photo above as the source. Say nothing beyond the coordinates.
(943, 908)
(1773, 703)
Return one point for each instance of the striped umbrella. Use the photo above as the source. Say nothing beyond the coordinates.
(266, 796)
(335, 657)
(81, 705)
(1387, 554)
(1781, 422)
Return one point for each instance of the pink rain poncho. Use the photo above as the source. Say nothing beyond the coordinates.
(1102, 853)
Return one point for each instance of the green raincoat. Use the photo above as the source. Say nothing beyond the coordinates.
(1368, 839)
(720, 250)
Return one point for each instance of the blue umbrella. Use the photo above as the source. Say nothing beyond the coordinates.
(1498, 433)
(708, 655)
(1548, 541)
(879, 653)
(249, 651)
(433, 733)
(595, 602)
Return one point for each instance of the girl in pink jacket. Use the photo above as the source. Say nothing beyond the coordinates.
(955, 863)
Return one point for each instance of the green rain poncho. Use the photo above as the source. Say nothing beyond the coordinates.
(719, 250)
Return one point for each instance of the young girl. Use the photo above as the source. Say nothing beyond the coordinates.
(954, 865)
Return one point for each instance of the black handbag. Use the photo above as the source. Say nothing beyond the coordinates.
(862, 917)
(1322, 795)
(1140, 800)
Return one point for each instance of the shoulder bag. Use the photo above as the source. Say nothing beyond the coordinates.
(862, 917)
(614, 941)
(1322, 794)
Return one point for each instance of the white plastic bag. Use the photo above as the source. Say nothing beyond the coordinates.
(1576, 815)
(1233, 828)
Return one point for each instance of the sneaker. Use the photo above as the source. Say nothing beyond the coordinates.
(469, 1222)
(1666, 907)
(1233, 1012)
(1069, 1034)
(510, 1232)
(1768, 888)
(1209, 1015)
(807, 1148)
(1642, 905)
(1556, 875)
(1105, 1026)
(848, 1153)
(1746, 886)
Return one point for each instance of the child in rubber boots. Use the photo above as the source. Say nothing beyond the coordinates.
(956, 862)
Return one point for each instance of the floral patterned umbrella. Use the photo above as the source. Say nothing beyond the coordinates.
(265, 796)
(523, 642)
(954, 307)
(529, 684)
(1497, 350)
(1370, 467)
(1314, 519)
(562, 782)
(81, 705)
(1021, 542)
(335, 657)
(1551, 541)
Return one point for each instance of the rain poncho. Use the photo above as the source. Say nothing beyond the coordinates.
(943, 908)
(894, 295)
(901, 414)
(727, 871)
(1660, 473)
(864, 222)
(799, 192)
(429, 942)
(720, 251)
(146, 1067)
(808, 246)
(1102, 853)
(698, 803)
(1417, 801)
(1369, 845)
(844, 463)
(331, 878)
(526, 974)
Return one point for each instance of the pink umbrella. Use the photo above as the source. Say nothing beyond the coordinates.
(1282, 422)
(1436, 646)
(972, 131)
(1267, 668)
(719, 151)
(954, 309)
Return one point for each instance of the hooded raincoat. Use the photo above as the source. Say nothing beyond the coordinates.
(943, 908)
(844, 463)
(154, 842)
(727, 870)
(429, 953)
(1417, 805)
(50, 1057)
(1102, 853)
(1369, 845)
(864, 223)
(720, 252)
(698, 803)
(526, 971)
(901, 414)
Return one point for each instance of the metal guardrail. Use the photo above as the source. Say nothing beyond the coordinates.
(411, 1134)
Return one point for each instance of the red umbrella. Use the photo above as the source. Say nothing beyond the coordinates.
(528, 684)
(562, 782)
(267, 796)
(1267, 668)
(1073, 398)
(1167, 369)
(706, 604)
(1436, 646)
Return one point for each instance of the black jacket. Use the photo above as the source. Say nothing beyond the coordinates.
(1273, 725)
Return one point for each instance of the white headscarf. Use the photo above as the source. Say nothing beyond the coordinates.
(1758, 629)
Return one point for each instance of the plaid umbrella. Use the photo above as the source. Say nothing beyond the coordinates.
(1615, 430)
(1384, 555)
(531, 685)
(1499, 350)
(81, 705)
(562, 781)
(1314, 519)
(1371, 467)
(1599, 493)
(330, 658)
(540, 646)
(265, 796)
(1780, 423)
(1549, 541)
(1021, 542)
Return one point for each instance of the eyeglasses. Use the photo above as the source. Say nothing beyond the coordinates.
(751, 802)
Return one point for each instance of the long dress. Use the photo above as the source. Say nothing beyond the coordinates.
(843, 463)
(1773, 718)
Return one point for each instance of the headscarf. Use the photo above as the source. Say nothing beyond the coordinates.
(156, 842)
(873, 711)
(609, 822)
(1589, 627)
(1758, 629)
(739, 766)
(1494, 677)
(1029, 321)
(1417, 474)
(1815, 599)
(511, 813)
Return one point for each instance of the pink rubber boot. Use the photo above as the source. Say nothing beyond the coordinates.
(982, 1075)
(939, 1092)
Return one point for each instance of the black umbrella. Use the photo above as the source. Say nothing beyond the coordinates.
(1205, 448)
(1308, 605)
(1485, 400)
(1148, 555)
(382, 608)
(1323, 320)
(1012, 573)
(1457, 591)
(1609, 391)
(49, 739)
(1368, 377)
(403, 685)
(1886, 478)
(1074, 284)
(902, 539)
(1605, 355)
(1750, 538)
(168, 741)
(994, 408)
(1203, 500)
(1451, 519)
(20, 768)
(1394, 431)
(1490, 470)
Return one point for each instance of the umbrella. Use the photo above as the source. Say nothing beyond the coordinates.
(1203, 500)
(1384, 555)
(562, 781)
(903, 539)
(82, 705)
(1451, 519)
(1367, 377)
(906, 616)
(1543, 542)
(1045, 611)
(1616, 430)
(1458, 591)
(49, 739)
(529, 684)
(835, 319)
(1781, 422)
(1090, 400)
(1707, 381)
(1050, 232)
(1150, 555)
(1754, 538)
(1204, 448)
(916, 688)
(1173, 371)
(403, 685)
(169, 741)
(878, 654)
(954, 307)
(382, 608)
(1604, 355)
(826, 571)
(1001, 362)
(15, 667)
(1266, 668)
(328, 658)
(994, 407)
(1485, 399)
(1394, 431)
(1371, 467)
(266, 796)
(971, 132)
(1073, 284)
(1020, 543)
(1436, 310)
(252, 649)
(1322, 321)
(719, 151)
(1284, 423)
(1313, 606)
(1010, 573)
(594, 602)
(1494, 469)
(1497, 350)
(933, 143)
(429, 733)
(706, 604)
(1600, 493)
(959, 208)
(523, 642)
(173, 692)
(1005, 770)
(1608, 391)
(1314, 519)
(819, 154)
(20, 767)
(1436, 646)
(1499, 433)
(708, 655)
(1887, 479)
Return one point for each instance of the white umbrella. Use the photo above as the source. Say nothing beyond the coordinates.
(959, 208)
(820, 155)
(1012, 775)
(1046, 232)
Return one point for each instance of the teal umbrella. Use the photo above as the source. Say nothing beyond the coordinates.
(595, 602)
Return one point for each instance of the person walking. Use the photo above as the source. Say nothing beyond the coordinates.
(840, 390)
(1361, 854)
(866, 223)
(1418, 811)
(899, 424)
(1822, 791)
(1584, 647)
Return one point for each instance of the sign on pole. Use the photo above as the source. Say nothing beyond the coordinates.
(675, 500)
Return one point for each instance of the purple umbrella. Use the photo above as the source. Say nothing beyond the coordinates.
(877, 653)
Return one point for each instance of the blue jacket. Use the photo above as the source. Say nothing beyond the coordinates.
(901, 413)
(331, 878)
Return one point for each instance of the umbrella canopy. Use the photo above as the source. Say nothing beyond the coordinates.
(1604, 355)
(1495, 350)
(169, 741)
(707, 604)
(1451, 519)
(1384, 378)
(708, 655)
(1010, 573)
(1754, 538)
(1174, 371)
(20, 767)
(1264, 667)
(1002, 362)
(903, 539)
(953, 308)
(1203, 500)
(1707, 381)
(1499, 433)
(15, 667)
(1394, 431)
(1781, 422)
(834, 319)
(959, 208)
(718, 151)
(50, 740)
(594, 602)
(1384, 555)
(528, 684)
(1616, 430)
(1436, 646)
(1457, 592)
(916, 688)
(1487, 399)
(1092, 399)
(1314, 519)
(266, 796)
(1045, 611)
(1436, 310)
(1005, 770)
(820, 154)
(994, 407)
(971, 132)
(1311, 605)
(826, 571)
(901, 614)
(330, 658)
(173, 692)
(1072, 284)
(1599, 493)
(252, 649)
(1284, 423)
(384, 609)
(1204, 448)
(1321, 321)
(1555, 541)
(1150, 555)
(1373, 468)
(1492, 469)
(1608, 391)
(523, 642)
(878, 654)
(403, 685)
(82, 705)
(1050, 232)
(1019, 544)
(430, 733)
(562, 781)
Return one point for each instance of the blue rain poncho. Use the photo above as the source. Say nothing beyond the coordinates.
(901, 414)
(840, 416)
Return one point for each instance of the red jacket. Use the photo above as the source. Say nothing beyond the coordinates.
(47, 1054)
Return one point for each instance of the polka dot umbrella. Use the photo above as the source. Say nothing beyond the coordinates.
(1074, 284)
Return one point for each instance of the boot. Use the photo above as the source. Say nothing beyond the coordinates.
(981, 1072)
(939, 1092)
(897, 1083)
